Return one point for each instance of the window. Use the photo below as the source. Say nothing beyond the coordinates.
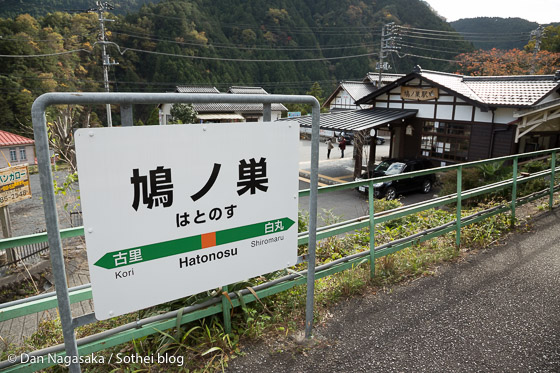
(22, 154)
(13, 155)
(446, 141)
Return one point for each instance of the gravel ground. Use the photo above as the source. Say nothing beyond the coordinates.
(28, 217)
(496, 311)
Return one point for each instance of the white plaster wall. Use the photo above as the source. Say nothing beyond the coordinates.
(444, 112)
(424, 111)
(463, 113)
(480, 116)
(504, 115)
(553, 96)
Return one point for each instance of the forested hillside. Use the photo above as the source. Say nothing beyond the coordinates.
(494, 32)
(282, 45)
(13, 8)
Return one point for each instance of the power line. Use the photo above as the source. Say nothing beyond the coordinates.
(124, 50)
(457, 32)
(425, 57)
(244, 47)
(2, 38)
(455, 40)
(431, 49)
(43, 55)
(293, 29)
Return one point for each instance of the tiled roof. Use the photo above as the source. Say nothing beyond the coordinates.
(452, 81)
(506, 91)
(194, 89)
(237, 108)
(357, 90)
(511, 90)
(385, 78)
(228, 107)
(514, 90)
(7, 138)
(247, 90)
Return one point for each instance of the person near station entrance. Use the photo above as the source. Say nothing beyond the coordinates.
(330, 146)
(342, 146)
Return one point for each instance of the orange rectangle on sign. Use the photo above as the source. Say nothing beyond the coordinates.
(208, 240)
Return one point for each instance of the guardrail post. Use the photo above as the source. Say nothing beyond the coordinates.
(371, 201)
(226, 309)
(514, 190)
(311, 246)
(552, 172)
(459, 202)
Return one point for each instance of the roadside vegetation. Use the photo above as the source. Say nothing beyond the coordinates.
(205, 345)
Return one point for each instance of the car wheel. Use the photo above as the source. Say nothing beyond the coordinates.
(390, 193)
(426, 186)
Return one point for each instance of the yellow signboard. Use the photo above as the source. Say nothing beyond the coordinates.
(420, 94)
(14, 185)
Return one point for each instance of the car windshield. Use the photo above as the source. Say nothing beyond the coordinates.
(390, 168)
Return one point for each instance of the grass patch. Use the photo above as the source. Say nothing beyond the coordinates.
(206, 347)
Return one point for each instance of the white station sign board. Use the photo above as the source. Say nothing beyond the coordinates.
(171, 211)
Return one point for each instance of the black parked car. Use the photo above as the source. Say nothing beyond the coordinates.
(391, 189)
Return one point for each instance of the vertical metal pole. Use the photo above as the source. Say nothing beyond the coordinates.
(7, 232)
(314, 182)
(267, 112)
(552, 174)
(381, 57)
(53, 233)
(459, 202)
(371, 201)
(126, 115)
(514, 191)
(226, 309)
(106, 64)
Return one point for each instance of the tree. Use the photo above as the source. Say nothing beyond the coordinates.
(64, 122)
(506, 62)
(550, 40)
(183, 114)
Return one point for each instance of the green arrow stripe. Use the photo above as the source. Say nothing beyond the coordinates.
(159, 250)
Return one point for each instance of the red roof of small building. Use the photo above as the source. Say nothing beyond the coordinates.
(7, 138)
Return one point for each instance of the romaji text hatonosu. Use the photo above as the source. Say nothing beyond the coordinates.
(204, 258)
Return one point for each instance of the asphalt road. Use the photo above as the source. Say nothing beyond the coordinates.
(345, 204)
(496, 311)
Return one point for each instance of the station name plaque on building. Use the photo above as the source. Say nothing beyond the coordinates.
(171, 211)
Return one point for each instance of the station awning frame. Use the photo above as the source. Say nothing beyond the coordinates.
(358, 120)
(545, 116)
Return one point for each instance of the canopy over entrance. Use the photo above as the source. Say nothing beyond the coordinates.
(357, 120)
(545, 117)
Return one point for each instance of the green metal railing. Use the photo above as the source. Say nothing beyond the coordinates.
(153, 325)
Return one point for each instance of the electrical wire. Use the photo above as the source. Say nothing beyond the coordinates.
(455, 51)
(425, 57)
(294, 29)
(43, 55)
(245, 59)
(456, 32)
(244, 47)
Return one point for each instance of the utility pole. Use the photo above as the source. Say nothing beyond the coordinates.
(387, 45)
(100, 8)
(537, 35)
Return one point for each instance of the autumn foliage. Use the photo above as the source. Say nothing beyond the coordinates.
(507, 62)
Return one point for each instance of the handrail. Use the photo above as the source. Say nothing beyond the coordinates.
(153, 324)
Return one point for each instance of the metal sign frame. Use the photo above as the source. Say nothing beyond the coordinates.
(126, 100)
